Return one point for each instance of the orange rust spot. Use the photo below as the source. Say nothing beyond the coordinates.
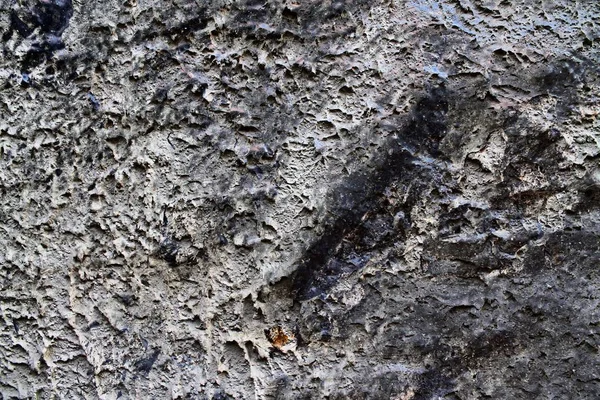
(279, 337)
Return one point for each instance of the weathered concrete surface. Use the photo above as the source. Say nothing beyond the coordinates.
(348, 199)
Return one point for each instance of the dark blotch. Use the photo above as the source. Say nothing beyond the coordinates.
(16, 24)
(93, 101)
(52, 18)
(358, 201)
(126, 299)
(145, 364)
(220, 396)
(168, 251)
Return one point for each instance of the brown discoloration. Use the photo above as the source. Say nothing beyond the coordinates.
(280, 337)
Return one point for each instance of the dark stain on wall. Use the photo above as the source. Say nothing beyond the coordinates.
(361, 215)
(51, 18)
(360, 219)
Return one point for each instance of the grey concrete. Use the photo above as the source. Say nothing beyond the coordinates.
(344, 200)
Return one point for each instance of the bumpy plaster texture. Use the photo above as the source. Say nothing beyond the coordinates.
(299, 200)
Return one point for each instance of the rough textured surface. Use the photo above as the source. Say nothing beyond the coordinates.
(322, 199)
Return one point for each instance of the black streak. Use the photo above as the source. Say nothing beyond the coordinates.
(361, 193)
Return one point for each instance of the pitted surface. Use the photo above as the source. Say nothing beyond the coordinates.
(339, 199)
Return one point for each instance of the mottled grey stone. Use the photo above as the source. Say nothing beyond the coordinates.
(299, 200)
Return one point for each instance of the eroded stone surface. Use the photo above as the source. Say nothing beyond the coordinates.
(347, 199)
